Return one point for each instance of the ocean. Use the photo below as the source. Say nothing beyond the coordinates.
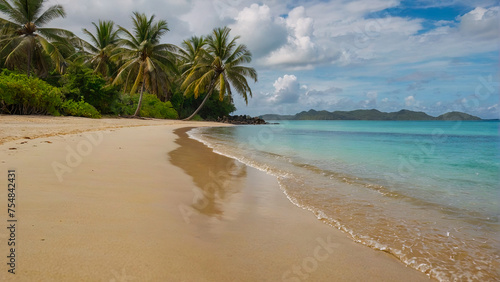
(426, 192)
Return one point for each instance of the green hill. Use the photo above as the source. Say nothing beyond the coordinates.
(368, 115)
(457, 116)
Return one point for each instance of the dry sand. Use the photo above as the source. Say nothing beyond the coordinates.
(30, 127)
(142, 204)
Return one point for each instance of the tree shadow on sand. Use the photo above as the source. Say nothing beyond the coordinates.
(217, 177)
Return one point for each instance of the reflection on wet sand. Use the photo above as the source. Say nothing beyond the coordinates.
(216, 182)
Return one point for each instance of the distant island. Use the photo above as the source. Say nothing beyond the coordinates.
(368, 115)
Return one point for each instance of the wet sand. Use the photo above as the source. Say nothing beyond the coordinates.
(143, 204)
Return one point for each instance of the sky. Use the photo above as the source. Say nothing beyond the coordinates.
(433, 56)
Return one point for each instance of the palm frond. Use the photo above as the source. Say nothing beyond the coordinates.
(18, 50)
(103, 47)
(53, 12)
(53, 52)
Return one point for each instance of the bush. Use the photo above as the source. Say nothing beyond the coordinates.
(151, 107)
(83, 83)
(22, 95)
(197, 118)
(79, 109)
(213, 108)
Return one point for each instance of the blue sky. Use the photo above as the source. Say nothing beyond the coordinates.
(430, 55)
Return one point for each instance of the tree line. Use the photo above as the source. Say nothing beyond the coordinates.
(117, 66)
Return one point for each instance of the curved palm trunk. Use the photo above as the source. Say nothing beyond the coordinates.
(201, 106)
(212, 86)
(136, 114)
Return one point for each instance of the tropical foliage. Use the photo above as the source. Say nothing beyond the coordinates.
(114, 70)
(79, 109)
(26, 44)
(82, 83)
(21, 95)
(103, 46)
(152, 107)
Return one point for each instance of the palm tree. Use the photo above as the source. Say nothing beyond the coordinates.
(23, 39)
(191, 49)
(219, 66)
(146, 61)
(103, 45)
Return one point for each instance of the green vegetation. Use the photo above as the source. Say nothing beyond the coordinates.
(117, 71)
(457, 116)
(152, 107)
(102, 47)
(81, 83)
(369, 115)
(24, 43)
(21, 95)
(79, 109)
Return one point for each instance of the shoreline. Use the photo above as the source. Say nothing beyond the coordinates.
(120, 213)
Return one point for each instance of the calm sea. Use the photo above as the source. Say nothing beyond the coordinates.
(426, 192)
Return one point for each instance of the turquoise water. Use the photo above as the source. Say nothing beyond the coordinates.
(425, 191)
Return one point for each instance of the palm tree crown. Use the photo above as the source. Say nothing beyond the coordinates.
(103, 44)
(190, 50)
(25, 39)
(219, 66)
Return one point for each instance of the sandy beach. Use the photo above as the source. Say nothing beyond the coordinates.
(137, 200)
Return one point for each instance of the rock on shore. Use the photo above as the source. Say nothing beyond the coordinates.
(241, 120)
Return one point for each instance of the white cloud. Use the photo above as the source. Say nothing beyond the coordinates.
(81, 14)
(300, 23)
(301, 50)
(328, 92)
(259, 30)
(347, 10)
(481, 22)
(320, 99)
(203, 17)
(410, 101)
(371, 102)
(226, 8)
(372, 95)
(287, 90)
(494, 107)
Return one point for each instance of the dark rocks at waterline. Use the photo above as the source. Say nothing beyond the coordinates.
(241, 120)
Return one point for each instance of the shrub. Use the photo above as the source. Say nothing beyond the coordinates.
(22, 95)
(197, 118)
(151, 107)
(79, 109)
(213, 108)
(83, 83)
